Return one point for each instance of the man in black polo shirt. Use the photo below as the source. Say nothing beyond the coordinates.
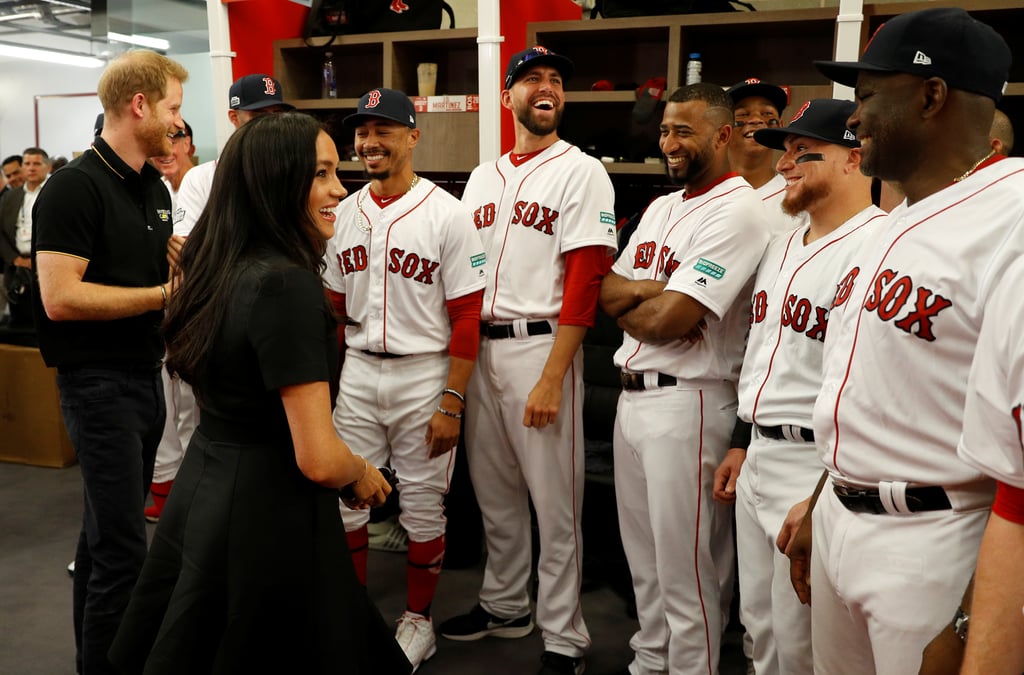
(100, 247)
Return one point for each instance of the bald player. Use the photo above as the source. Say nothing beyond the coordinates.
(896, 528)
(759, 105)
(545, 212)
(689, 264)
(781, 376)
(406, 269)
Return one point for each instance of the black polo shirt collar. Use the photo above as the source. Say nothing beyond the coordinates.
(116, 165)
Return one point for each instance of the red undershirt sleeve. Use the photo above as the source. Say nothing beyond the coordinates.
(584, 269)
(464, 313)
(1009, 503)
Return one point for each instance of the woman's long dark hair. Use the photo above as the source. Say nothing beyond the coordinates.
(259, 201)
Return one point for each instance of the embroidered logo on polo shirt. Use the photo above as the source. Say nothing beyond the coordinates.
(164, 215)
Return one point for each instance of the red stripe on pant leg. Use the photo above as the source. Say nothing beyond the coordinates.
(696, 540)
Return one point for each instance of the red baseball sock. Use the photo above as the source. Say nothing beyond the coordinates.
(358, 546)
(422, 573)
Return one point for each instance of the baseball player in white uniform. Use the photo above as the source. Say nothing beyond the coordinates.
(249, 97)
(992, 442)
(795, 286)
(759, 105)
(182, 418)
(406, 269)
(896, 531)
(688, 267)
(545, 214)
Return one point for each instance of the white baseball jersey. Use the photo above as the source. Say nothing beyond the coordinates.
(559, 200)
(398, 265)
(772, 193)
(793, 293)
(193, 193)
(992, 439)
(706, 246)
(904, 329)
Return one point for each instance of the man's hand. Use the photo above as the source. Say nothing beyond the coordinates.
(791, 525)
(943, 654)
(23, 261)
(174, 245)
(543, 403)
(799, 551)
(442, 434)
(727, 473)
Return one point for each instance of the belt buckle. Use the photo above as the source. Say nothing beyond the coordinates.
(631, 381)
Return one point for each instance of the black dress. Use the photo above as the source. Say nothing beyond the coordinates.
(249, 570)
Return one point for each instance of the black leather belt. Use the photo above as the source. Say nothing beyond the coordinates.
(382, 355)
(635, 381)
(779, 433)
(506, 330)
(867, 500)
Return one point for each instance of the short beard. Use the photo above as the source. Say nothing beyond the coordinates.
(808, 196)
(532, 125)
(377, 175)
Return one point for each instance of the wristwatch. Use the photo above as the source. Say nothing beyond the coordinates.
(961, 622)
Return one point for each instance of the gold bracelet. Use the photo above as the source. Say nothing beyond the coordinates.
(163, 292)
(366, 467)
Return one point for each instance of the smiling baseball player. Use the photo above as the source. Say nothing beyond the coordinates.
(796, 283)
(896, 531)
(690, 261)
(545, 214)
(406, 269)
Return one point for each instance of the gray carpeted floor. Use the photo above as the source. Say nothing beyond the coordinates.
(40, 515)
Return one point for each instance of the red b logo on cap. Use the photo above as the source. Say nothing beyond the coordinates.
(268, 83)
(374, 99)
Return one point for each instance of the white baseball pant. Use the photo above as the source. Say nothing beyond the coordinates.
(181, 421)
(882, 586)
(668, 443)
(775, 476)
(509, 462)
(384, 406)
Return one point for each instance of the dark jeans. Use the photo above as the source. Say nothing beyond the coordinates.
(114, 417)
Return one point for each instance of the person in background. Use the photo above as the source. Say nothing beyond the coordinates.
(16, 235)
(248, 570)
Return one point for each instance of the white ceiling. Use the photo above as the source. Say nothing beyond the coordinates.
(69, 25)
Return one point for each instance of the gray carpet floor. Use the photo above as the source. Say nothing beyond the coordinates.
(40, 516)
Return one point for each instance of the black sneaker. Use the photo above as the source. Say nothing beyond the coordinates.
(480, 623)
(553, 663)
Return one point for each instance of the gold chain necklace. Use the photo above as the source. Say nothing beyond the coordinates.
(361, 220)
(104, 159)
(976, 165)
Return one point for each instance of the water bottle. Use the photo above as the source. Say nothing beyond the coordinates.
(693, 69)
(328, 83)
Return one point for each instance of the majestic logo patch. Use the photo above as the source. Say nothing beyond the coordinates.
(607, 218)
(709, 268)
(478, 259)
(701, 281)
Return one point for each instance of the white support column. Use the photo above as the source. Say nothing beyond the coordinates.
(220, 66)
(848, 23)
(489, 41)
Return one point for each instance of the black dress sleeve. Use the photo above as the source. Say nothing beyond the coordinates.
(289, 329)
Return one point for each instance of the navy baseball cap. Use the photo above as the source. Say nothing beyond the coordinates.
(823, 119)
(255, 92)
(944, 42)
(389, 104)
(752, 86)
(97, 126)
(536, 56)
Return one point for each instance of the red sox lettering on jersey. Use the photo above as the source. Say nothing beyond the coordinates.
(798, 314)
(410, 265)
(891, 294)
(527, 214)
(644, 258)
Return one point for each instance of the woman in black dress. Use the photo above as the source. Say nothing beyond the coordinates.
(249, 571)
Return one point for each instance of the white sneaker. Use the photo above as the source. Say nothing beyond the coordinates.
(415, 635)
(387, 535)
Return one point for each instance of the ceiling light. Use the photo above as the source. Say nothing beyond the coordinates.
(50, 56)
(140, 41)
